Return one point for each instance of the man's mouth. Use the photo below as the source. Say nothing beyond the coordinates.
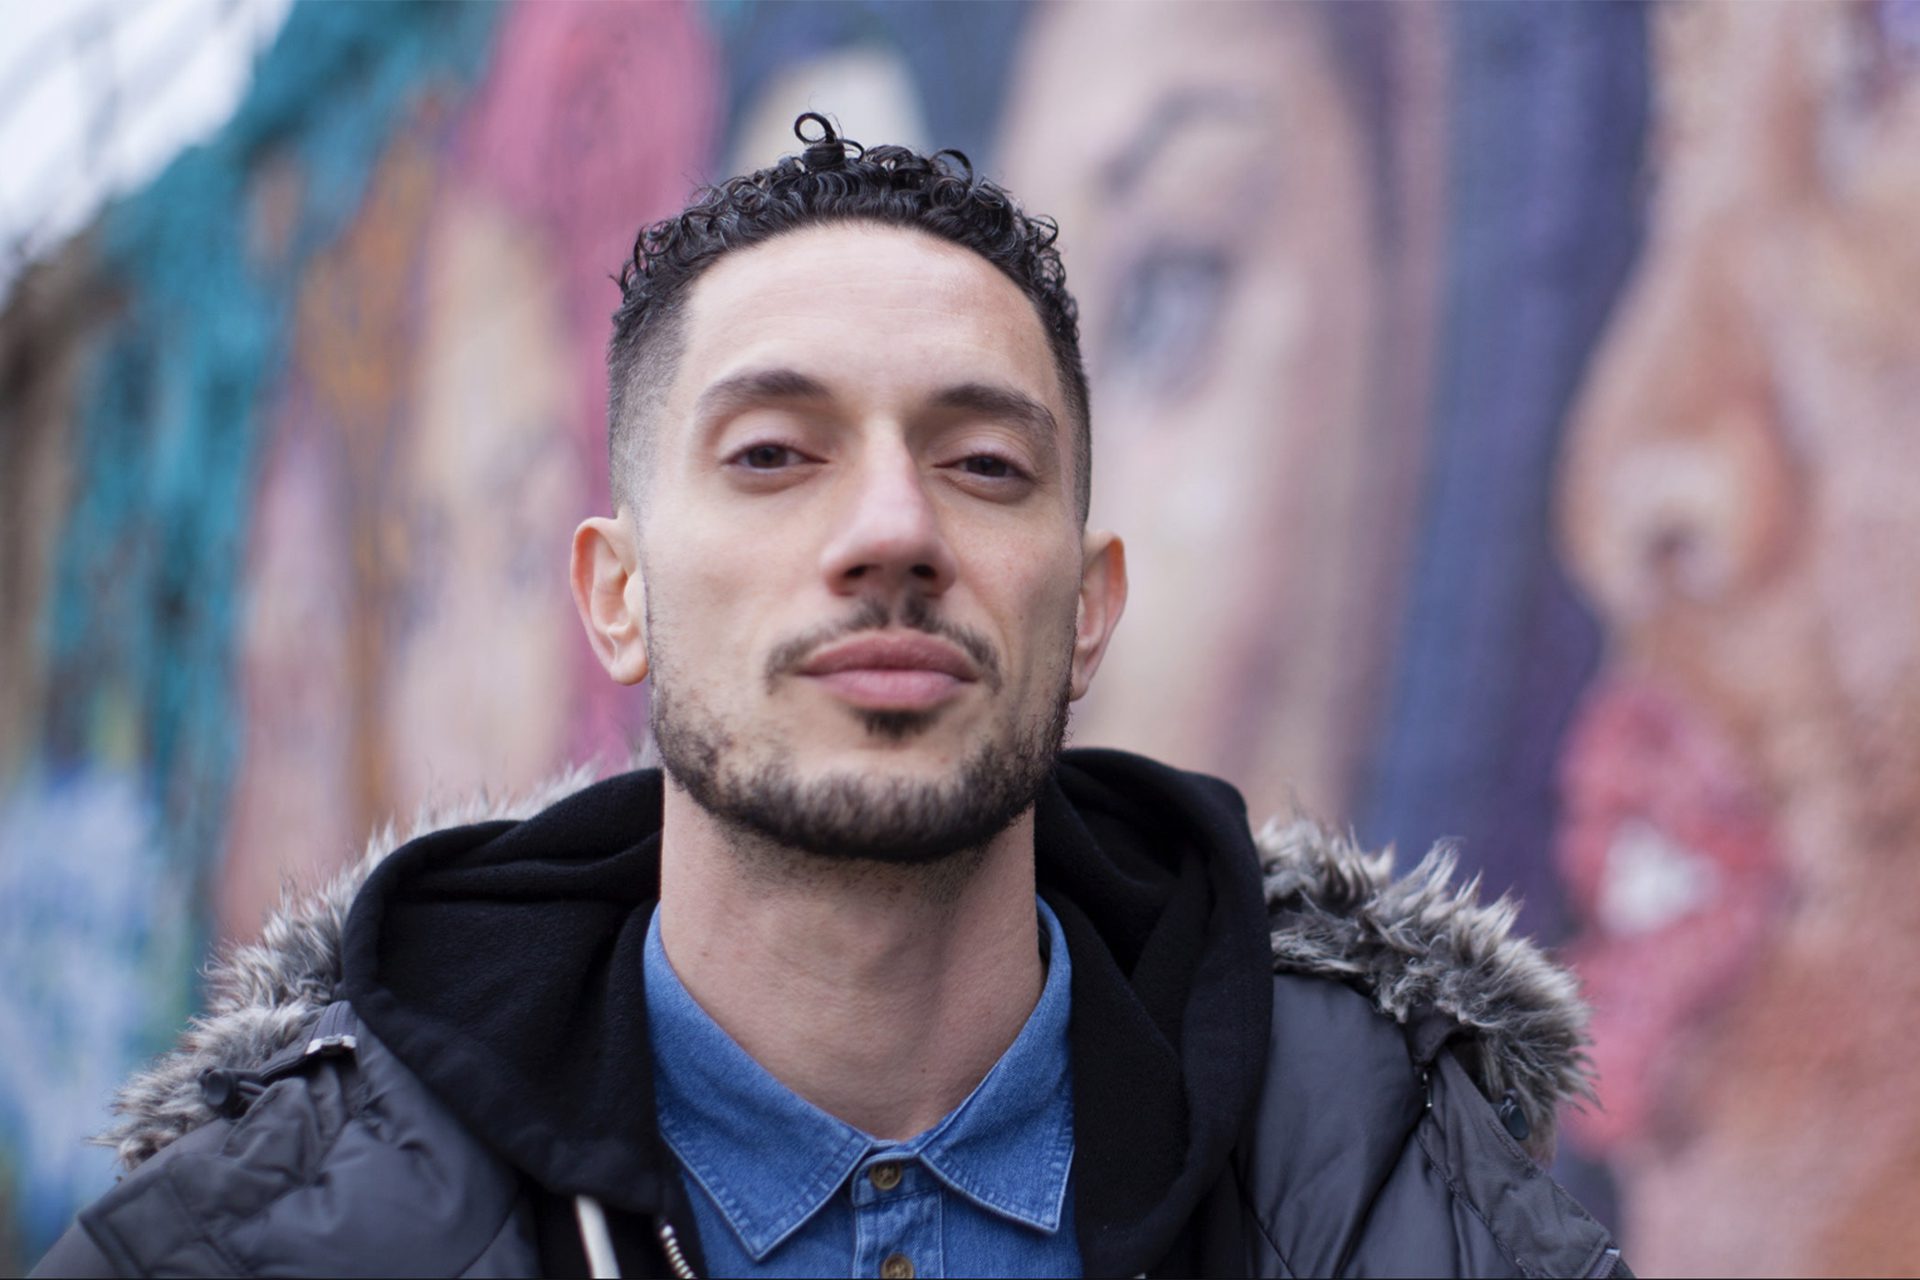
(899, 671)
(1667, 847)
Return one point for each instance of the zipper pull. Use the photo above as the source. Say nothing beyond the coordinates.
(670, 1244)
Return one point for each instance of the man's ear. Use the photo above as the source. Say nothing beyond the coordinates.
(1103, 598)
(611, 595)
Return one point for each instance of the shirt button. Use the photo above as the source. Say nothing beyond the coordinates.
(885, 1177)
(898, 1266)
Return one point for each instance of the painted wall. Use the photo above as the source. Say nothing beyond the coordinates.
(1508, 409)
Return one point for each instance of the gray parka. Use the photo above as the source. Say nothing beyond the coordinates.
(1417, 1056)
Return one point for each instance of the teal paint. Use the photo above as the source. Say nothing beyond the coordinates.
(143, 612)
(147, 587)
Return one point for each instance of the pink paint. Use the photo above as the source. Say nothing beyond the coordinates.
(1668, 851)
(595, 120)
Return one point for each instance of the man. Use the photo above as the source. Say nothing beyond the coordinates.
(869, 978)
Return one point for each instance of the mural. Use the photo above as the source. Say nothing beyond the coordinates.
(1230, 210)
(1743, 786)
(1507, 408)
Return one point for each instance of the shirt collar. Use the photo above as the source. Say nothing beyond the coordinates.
(1009, 1146)
(769, 1159)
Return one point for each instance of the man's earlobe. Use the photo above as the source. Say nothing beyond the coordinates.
(611, 596)
(1103, 598)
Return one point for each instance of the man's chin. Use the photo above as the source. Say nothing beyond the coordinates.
(897, 726)
(928, 745)
(893, 805)
(869, 815)
(889, 786)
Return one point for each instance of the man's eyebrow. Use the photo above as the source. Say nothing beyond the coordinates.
(1015, 408)
(1001, 403)
(756, 386)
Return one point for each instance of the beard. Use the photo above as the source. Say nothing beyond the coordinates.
(856, 817)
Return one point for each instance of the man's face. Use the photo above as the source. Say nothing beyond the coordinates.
(858, 549)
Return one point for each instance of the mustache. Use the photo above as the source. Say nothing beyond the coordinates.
(874, 615)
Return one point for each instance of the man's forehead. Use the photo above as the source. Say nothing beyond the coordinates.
(852, 253)
(852, 303)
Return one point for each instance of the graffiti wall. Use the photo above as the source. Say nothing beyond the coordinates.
(1509, 410)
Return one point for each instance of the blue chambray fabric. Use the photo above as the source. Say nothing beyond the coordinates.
(781, 1188)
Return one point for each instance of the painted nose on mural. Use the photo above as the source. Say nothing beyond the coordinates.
(1680, 489)
(888, 535)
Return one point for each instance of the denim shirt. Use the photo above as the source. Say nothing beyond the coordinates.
(781, 1188)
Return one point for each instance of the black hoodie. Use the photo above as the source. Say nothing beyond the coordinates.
(501, 962)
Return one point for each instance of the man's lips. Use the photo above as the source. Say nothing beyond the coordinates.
(905, 672)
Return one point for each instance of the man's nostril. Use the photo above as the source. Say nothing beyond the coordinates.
(925, 571)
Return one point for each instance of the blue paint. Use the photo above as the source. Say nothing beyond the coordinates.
(1546, 140)
(96, 937)
(959, 56)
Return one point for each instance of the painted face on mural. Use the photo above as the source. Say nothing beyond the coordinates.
(489, 479)
(863, 589)
(407, 639)
(1743, 793)
(1217, 214)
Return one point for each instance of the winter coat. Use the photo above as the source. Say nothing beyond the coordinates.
(1381, 1109)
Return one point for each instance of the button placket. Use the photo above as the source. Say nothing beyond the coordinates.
(898, 1228)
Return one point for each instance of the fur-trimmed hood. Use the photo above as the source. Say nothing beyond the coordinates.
(1414, 945)
(1422, 944)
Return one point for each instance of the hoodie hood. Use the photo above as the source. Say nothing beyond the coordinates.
(1154, 876)
(1423, 948)
(502, 963)
(482, 955)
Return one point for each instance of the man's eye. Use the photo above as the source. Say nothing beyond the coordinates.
(986, 464)
(767, 457)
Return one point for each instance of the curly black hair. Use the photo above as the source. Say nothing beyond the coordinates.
(833, 179)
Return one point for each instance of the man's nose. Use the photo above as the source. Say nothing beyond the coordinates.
(888, 535)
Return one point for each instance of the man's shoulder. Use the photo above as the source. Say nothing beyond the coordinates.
(237, 1145)
(1420, 1052)
(262, 995)
(334, 1130)
(1411, 963)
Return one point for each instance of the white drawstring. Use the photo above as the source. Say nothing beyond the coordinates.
(596, 1239)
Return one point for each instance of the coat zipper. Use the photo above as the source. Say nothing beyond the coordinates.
(671, 1244)
(597, 1240)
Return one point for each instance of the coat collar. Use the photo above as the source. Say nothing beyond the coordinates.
(1336, 912)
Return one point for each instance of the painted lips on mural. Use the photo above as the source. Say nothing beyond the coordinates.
(1669, 855)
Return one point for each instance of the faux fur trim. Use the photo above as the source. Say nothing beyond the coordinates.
(1411, 944)
(260, 996)
(1420, 943)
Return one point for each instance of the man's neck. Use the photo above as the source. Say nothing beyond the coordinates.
(881, 994)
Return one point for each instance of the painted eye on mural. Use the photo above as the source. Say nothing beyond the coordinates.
(1878, 59)
(1165, 324)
